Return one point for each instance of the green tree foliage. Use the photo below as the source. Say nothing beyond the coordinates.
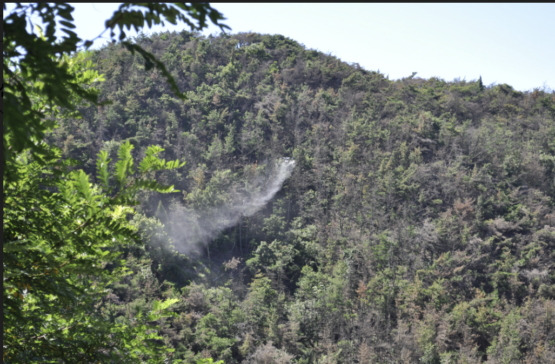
(63, 235)
(38, 77)
(417, 225)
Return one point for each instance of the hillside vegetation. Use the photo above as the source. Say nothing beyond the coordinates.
(417, 224)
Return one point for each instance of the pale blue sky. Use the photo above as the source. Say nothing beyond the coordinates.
(504, 43)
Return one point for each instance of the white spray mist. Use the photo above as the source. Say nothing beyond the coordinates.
(191, 229)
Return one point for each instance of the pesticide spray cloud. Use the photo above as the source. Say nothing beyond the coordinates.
(190, 229)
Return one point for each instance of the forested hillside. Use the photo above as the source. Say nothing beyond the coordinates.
(417, 223)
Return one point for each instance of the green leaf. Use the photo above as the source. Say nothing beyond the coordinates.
(124, 165)
(163, 305)
(153, 186)
(82, 184)
(67, 24)
(102, 168)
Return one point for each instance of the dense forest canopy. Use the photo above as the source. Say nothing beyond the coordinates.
(326, 214)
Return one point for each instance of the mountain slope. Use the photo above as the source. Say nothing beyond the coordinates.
(418, 222)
